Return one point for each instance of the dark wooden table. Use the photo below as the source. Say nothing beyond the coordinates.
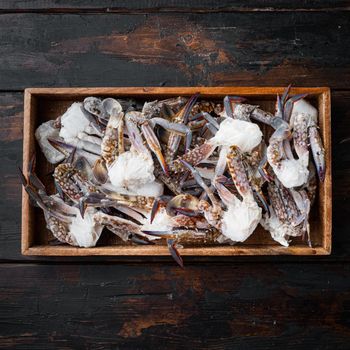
(217, 303)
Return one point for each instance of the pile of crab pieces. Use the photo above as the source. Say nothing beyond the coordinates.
(186, 170)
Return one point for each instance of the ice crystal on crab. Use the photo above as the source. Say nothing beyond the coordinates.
(304, 107)
(131, 169)
(240, 219)
(42, 133)
(293, 172)
(85, 231)
(161, 222)
(245, 135)
(73, 122)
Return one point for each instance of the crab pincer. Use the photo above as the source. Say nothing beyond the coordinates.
(154, 145)
(175, 253)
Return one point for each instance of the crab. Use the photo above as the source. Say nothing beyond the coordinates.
(62, 219)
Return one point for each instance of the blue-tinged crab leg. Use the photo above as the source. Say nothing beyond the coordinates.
(238, 172)
(198, 178)
(181, 119)
(318, 151)
(288, 108)
(154, 145)
(193, 157)
(176, 129)
(228, 100)
(262, 166)
(46, 203)
(185, 111)
(225, 195)
(83, 148)
(285, 94)
(175, 253)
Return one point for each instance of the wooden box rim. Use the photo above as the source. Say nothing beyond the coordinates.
(323, 94)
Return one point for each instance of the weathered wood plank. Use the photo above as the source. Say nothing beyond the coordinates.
(245, 306)
(11, 156)
(171, 5)
(264, 49)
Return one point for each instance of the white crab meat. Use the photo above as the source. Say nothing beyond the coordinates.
(161, 222)
(245, 135)
(240, 219)
(85, 231)
(42, 133)
(293, 172)
(131, 169)
(304, 107)
(278, 230)
(151, 189)
(73, 122)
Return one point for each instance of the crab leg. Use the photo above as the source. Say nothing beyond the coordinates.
(300, 134)
(154, 145)
(175, 129)
(172, 182)
(135, 135)
(229, 101)
(109, 145)
(175, 253)
(121, 146)
(58, 215)
(212, 213)
(288, 107)
(302, 201)
(318, 151)
(89, 150)
(119, 226)
(194, 156)
(181, 118)
(200, 181)
(238, 172)
(89, 138)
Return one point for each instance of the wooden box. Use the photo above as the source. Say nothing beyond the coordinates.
(42, 104)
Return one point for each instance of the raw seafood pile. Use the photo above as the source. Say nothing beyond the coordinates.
(184, 170)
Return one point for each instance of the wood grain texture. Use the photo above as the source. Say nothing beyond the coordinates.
(239, 49)
(246, 306)
(146, 6)
(260, 303)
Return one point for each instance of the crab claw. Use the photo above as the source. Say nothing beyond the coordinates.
(48, 204)
(139, 239)
(155, 209)
(211, 120)
(262, 167)
(61, 146)
(66, 148)
(33, 195)
(33, 179)
(183, 203)
(185, 111)
(154, 145)
(194, 156)
(175, 253)
(285, 94)
(260, 196)
(94, 199)
(288, 107)
(200, 181)
(100, 171)
(317, 151)
(229, 101)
